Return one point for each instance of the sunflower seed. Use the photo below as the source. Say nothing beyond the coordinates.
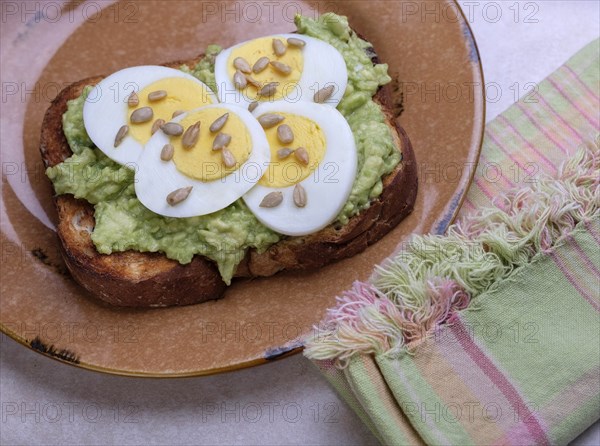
(252, 106)
(270, 120)
(166, 154)
(299, 196)
(256, 84)
(271, 200)
(156, 125)
(122, 133)
(299, 43)
(221, 141)
(219, 123)
(284, 153)
(172, 129)
(178, 195)
(157, 95)
(177, 113)
(242, 64)
(191, 135)
(269, 89)
(323, 94)
(281, 67)
(285, 134)
(239, 80)
(260, 64)
(279, 47)
(228, 158)
(140, 115)
(302, 155)
(133, 100)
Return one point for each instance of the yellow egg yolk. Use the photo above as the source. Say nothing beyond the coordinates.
(182, 94)
(263, 47)
(289, 171)
(201, 161)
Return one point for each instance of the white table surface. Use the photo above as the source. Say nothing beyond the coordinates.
(286, 402)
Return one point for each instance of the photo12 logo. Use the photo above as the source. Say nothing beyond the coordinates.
(64, 333)
(69, 412)
(31, 12)
(262, 11)
(453, 412)
(249, 332)
(269, 412)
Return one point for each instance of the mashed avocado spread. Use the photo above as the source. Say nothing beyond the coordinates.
(123, 223)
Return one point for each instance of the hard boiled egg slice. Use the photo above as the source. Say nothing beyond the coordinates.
(303, 190)
(297, 71)
(106, 109)
(163, 178)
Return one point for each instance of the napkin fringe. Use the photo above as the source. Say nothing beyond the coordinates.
(432, 277)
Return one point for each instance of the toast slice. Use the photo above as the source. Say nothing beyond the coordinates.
(139, 279)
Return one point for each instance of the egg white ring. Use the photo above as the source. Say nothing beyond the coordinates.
(315, 75)
(149, 179)
(327, 187)
(113, 112)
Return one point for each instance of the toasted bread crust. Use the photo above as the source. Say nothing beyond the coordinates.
(138, 279)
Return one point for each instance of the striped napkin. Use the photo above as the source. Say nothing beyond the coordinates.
(490, 334)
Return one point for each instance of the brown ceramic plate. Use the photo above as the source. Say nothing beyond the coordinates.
(435, 63)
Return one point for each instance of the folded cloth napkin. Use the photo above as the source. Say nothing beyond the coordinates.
(490, 334)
